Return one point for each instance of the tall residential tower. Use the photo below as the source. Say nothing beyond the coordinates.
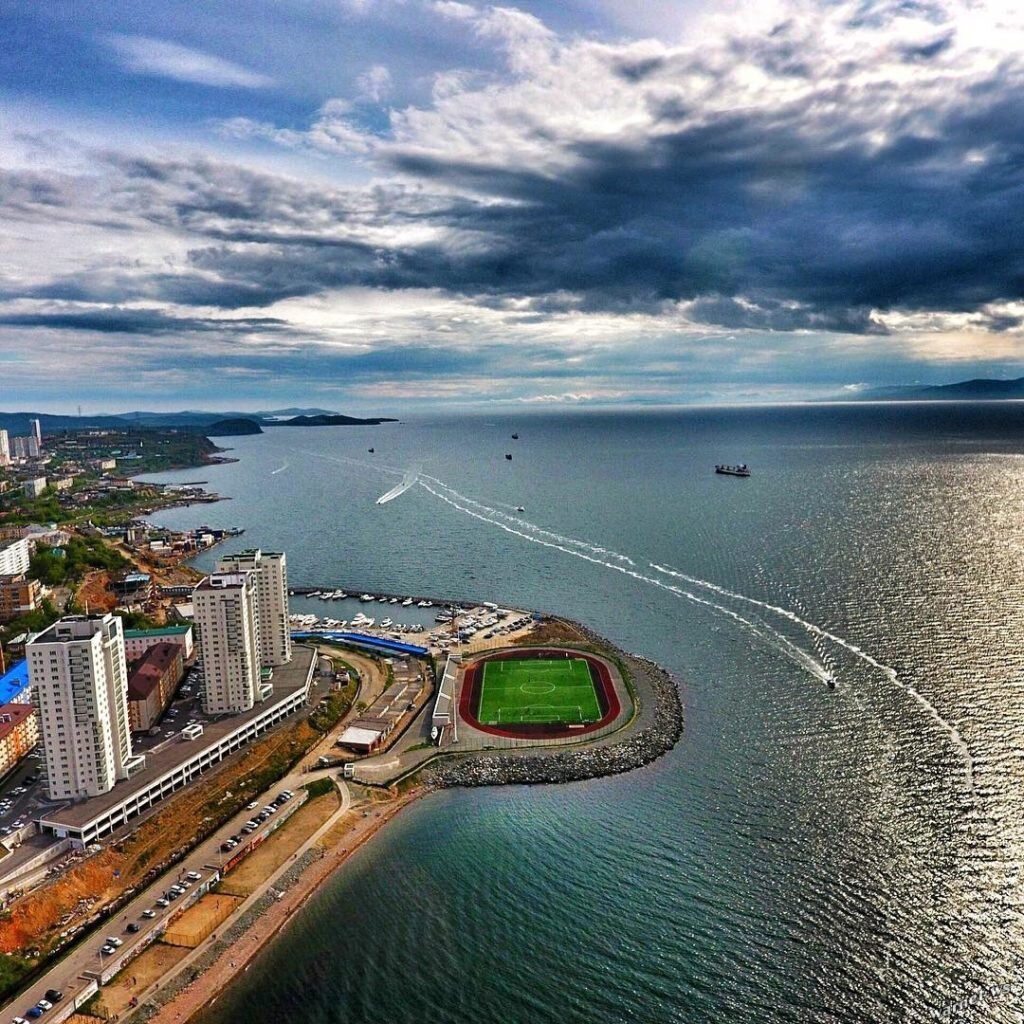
(226, 609)
(80, 687)
(271, 569)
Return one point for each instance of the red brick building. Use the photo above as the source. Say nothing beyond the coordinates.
(18, 596)
(19, 733)
(152, 682)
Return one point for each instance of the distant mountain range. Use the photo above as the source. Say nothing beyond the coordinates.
(331, 420)
(980, 389)
(225, 423)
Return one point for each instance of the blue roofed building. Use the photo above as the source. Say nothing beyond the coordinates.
(14, 685)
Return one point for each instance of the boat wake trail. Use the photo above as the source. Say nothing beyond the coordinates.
(956, 739)
(280, 469)
(618, 563)
(524, 524)
(410, 478)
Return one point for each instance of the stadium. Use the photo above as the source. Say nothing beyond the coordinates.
(538, 693)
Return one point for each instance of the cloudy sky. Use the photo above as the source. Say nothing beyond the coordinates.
(393, 204)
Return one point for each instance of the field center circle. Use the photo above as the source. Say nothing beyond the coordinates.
(538, 687)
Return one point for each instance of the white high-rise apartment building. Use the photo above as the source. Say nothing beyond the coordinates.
(5, 448)
(14, 557)
(271, 568)
(226, 616)
(80, 690)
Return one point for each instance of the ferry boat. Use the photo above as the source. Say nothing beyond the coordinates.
(741, 470)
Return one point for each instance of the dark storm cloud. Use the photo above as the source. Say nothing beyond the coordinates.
(803, 214)
(146, 322)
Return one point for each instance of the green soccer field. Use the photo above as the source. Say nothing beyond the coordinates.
(542, 692)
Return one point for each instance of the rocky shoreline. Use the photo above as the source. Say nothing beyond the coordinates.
(656, 737)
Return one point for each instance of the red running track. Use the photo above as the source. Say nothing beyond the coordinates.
(607, 698)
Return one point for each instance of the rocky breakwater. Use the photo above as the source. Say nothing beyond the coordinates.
(655, 730)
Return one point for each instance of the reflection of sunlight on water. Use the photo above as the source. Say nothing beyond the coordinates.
(815, 856)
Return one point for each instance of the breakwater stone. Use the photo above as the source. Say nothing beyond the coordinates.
(655, 730)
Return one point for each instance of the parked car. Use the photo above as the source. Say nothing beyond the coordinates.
(54, 995)
(194, 876)
(33, 1012)
(44, 1005)
(149, 913)
(113, 940)
(19, 1020)
(172, 894)
(161, 903)
(133, 927)
(108, 949)
(252, 806)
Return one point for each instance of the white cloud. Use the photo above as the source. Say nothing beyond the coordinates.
(375, 83)
(144, 55)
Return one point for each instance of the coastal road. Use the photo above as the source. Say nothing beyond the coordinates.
(265, 886)
(69, 975)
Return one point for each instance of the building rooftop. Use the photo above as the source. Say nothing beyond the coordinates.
(13, 682)
(223, 581)
(149, 669)
(11, 716)
(140, 634)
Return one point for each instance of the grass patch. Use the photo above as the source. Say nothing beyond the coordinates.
(321, 787)
(538, 690)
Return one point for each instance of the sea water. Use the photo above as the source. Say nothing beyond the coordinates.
(805, 854)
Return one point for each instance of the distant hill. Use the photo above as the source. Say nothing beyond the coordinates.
(17, 423)
(979, 389)
(331, 421)
(231, 428)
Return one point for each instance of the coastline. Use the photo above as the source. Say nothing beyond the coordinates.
(657, 727)
(198, 986)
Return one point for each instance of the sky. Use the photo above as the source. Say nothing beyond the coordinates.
(389, 205)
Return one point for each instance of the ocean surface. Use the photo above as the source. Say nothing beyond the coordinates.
(803, 855)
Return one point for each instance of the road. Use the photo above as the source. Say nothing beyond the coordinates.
(69, 975)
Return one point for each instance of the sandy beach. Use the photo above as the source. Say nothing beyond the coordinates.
(349, 835)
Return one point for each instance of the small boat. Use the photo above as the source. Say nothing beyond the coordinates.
(741, 470)
(366, 597)
(385, 623)
(830, 682)
(407, 602)
(370, 450)
(515, 437)
(508, 455)
(519, 508)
